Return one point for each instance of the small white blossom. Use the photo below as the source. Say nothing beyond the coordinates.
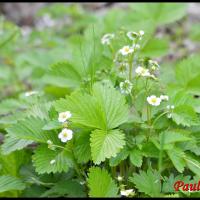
(52, 162)
(126, 192)
(141, 32)
(132, 35)
(119, 178)
(65, 135)
(164, 97)
(49, 142)
(142, 71)
(172, 106)
(126, 87)
(64, 116)
(153, 100)
(126, 50)
(107, 38)
(30, 93)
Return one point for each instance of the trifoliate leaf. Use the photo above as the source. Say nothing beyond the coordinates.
(147, 182)
(104, 109)
(106, 144)
(42, 160)
(101, 184)
(8, 183)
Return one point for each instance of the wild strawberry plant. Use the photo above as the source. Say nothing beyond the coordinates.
(114, 127)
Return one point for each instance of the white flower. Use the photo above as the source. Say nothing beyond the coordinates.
(119, 178)
(164, 97)
(126, 192)
(63, 116)
(153, 100)
(49, 142)
(141, 32)
(30, 93)
(126, 50)
(52, 162)
(132, 35)
(65, 135)
(142, 71)
(172, 106)
(126, 87)
(107, 38)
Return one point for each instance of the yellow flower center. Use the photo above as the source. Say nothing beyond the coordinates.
(126, 49)
(65, 134)
(153, 100)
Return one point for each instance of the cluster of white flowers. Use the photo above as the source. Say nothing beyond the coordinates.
(65, 134)
(30, 93)
(126, 87)
(127, 193)
(106, 39)
(126, 50)
(155, 101)
(141, 71)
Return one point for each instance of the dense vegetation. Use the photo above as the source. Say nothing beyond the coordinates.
(100, 105)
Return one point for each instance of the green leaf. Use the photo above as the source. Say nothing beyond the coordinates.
(136, 157)
(82, 147)
(31, 129)
(104, 109)
(168, 183)
(69, 188)
(52, 125)
(193, 163)
(177, 157)
(106, 144)
(160, 13)
(12, 143)
(187, 74)
(122, 155)
(8, 183)
(155, 48)
(185, 115)
(147, 182)
(173, 136)
(101, 184)
(43, 156)
(63, 74)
